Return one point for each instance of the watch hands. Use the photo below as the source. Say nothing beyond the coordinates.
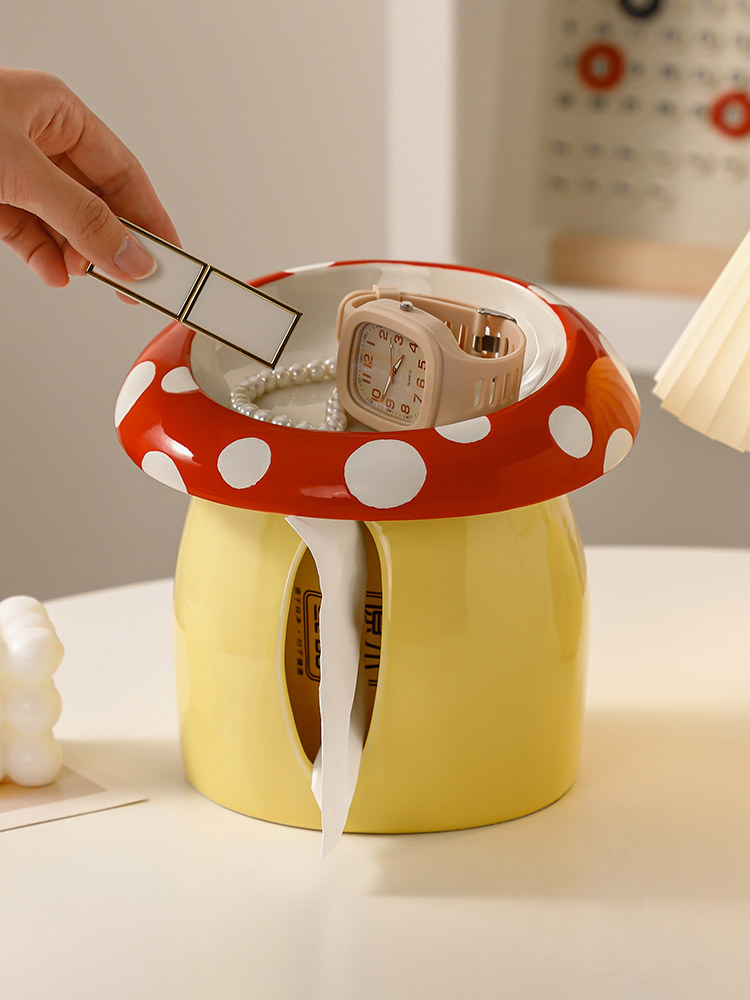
(387, 385)
(392, 373)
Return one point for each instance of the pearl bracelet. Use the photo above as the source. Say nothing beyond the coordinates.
(250, 389)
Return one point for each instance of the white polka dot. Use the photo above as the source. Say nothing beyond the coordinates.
(385, 473)
(179, 380)
(243, 463)
(139, 379)
(160, 466)
(619, 444)
(571, 431)
(466, 431)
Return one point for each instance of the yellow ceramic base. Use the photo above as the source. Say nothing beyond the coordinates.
(482, 627)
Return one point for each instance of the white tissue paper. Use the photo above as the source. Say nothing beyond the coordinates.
(338, 548)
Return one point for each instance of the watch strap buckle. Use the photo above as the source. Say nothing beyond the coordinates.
(489, 341)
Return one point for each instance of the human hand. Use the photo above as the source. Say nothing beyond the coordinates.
(64, 179)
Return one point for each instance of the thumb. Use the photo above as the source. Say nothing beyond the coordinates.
(86, 222)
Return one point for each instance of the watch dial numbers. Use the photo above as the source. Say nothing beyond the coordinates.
(388, 373)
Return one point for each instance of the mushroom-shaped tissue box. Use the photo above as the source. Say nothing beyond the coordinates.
(416, 600)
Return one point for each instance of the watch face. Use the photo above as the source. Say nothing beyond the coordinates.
(387, 373)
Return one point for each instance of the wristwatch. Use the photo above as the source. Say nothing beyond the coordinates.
(407, 361)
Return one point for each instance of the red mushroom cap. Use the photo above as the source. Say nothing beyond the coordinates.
(577, 417)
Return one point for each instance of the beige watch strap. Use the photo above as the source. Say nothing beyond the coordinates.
(474, 329)
(483, 359)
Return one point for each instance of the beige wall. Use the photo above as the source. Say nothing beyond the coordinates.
(280, 134)
(261, 126)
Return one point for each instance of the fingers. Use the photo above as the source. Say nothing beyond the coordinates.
(64, 180)
(24, 234)
(101, 161)
(85, 221)
(75, 262)
(48, 255)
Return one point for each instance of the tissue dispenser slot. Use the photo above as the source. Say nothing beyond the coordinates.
(302, 646)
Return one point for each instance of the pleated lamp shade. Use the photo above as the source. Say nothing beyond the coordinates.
(705, 379)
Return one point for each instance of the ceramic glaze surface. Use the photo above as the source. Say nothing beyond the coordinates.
(476, 622)
(577, 416)
(476, 717)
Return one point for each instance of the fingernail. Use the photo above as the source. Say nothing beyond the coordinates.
(134, 260)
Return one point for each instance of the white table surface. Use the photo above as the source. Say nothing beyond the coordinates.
(635, 885)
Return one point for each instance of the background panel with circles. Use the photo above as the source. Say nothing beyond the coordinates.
(645, 127)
